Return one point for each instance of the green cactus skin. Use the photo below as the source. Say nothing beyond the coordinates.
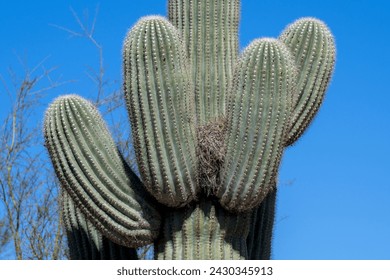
(95, 175)
(160, 105)
(85, 241)
(259, 240)
(209, 129)
(257, 120)
(312, 45)
(203, 231)
(209, 29)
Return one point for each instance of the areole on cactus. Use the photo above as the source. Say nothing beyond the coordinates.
(209, 129)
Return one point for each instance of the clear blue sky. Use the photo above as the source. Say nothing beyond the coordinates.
(334, 198)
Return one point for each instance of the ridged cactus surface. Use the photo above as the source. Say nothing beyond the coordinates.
(160, 103)
(257, 120)
(312, 46)
(85, 241)
(95, 175)
(209, 29)
(203, 230)
(209, 129)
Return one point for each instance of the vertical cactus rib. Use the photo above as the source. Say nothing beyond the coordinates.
(210, 31)
(260, 234)
(85, 241)
(160, 105)
(95, 175)
(257, 117)
(203, 231)
(312, 45)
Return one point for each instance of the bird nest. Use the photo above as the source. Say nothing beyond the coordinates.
(210, 153)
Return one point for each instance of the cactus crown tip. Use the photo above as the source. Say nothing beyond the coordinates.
(149, 18)
(65, 97)
(311, 20)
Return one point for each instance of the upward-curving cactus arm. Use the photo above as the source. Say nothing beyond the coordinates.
(160, 105)
(258, 116)
(312, 45)
(94, 174)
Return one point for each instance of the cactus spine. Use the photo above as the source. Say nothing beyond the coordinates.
(209, 130)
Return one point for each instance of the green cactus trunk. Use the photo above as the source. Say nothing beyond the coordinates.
(203, 231)
(209, 30)
(209, 129)
(259, 240)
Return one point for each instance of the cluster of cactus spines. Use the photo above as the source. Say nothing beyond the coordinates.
(209, 128)
(85, 241)
(95, 175)
(203, 230)
(160, 105)
(209, 29)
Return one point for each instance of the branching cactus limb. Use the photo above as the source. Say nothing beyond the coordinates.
(312, 45)
(258, 116)
(313, 48)
(160, 104)
(85, 242)
(95, 176)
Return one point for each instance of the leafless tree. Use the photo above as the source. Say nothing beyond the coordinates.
(30, 218)
(28, 214)
(110, 102)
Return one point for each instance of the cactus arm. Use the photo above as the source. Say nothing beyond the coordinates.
(95, 175)
(260, 105)
(210, 31)
(160, 105)
(312, 45)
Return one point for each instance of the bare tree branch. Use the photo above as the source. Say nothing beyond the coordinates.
(88, 33)
(25, 195)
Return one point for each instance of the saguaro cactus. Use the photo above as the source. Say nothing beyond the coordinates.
(209, 129)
